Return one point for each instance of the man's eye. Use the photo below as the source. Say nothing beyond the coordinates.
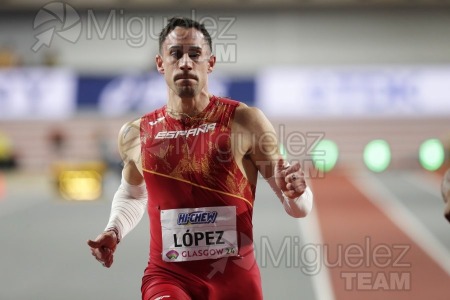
(176, 54)
(195, 55)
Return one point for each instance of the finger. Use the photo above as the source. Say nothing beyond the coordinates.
(298, 187)
(105, 260)
(105, 253)
(292, 177)
(291, 187)
(98, 255)
(109, 262)
(291, 194)
(280, 166)
(107, 265)
(294, 168)
(105, 250)
(101, 253)
(298, 176)
(94, 244)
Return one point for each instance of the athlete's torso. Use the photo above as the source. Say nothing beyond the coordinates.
(199, 193)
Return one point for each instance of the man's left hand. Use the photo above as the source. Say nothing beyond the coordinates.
(290, 179)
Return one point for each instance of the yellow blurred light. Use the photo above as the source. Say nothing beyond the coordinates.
(83, 185)
(80, 182)
(5, 147)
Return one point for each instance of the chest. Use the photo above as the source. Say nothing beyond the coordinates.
(174, 143)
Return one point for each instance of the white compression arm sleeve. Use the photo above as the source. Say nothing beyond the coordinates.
(128, 207)
(298, 207)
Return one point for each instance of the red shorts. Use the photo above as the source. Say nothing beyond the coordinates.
(164, 291)
(197, 280)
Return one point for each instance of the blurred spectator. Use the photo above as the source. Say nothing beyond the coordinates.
(8, 58)
(7, 156)
(50, 58)
(108, 152)
(57, 139)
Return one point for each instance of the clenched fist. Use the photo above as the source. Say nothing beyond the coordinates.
(103, 248)
(290, 179)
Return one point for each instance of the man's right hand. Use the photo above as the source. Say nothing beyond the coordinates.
(103, 247)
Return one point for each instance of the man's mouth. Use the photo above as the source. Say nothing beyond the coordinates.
(185, 77)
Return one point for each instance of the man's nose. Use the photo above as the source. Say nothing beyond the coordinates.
(185, 62)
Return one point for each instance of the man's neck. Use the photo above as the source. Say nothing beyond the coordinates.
(188, 106)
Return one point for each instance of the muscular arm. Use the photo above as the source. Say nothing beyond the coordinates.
(258, 138)
(129, 144)
(130, 200)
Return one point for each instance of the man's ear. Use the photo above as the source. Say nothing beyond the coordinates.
(159, 63)
(211, 63)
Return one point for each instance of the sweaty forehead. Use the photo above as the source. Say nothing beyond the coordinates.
(185, 36)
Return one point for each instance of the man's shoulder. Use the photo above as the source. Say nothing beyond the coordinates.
(227, 101)
(129, 132)
(130, 127)
(135, 125)
(248, 114)
(129, 138)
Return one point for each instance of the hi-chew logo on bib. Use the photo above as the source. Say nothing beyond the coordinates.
(198, 217)
(199, 233)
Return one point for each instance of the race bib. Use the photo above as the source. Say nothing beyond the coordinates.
(198, 233)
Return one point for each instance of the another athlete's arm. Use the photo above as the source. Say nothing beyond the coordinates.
(130, 200)
(288, 182)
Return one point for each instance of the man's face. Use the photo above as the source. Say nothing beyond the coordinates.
(185, 61)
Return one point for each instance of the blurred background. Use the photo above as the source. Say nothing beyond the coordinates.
(357, 91)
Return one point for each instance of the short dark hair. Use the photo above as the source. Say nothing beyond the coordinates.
(185, 23)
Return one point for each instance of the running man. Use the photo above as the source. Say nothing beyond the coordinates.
(193, 164)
